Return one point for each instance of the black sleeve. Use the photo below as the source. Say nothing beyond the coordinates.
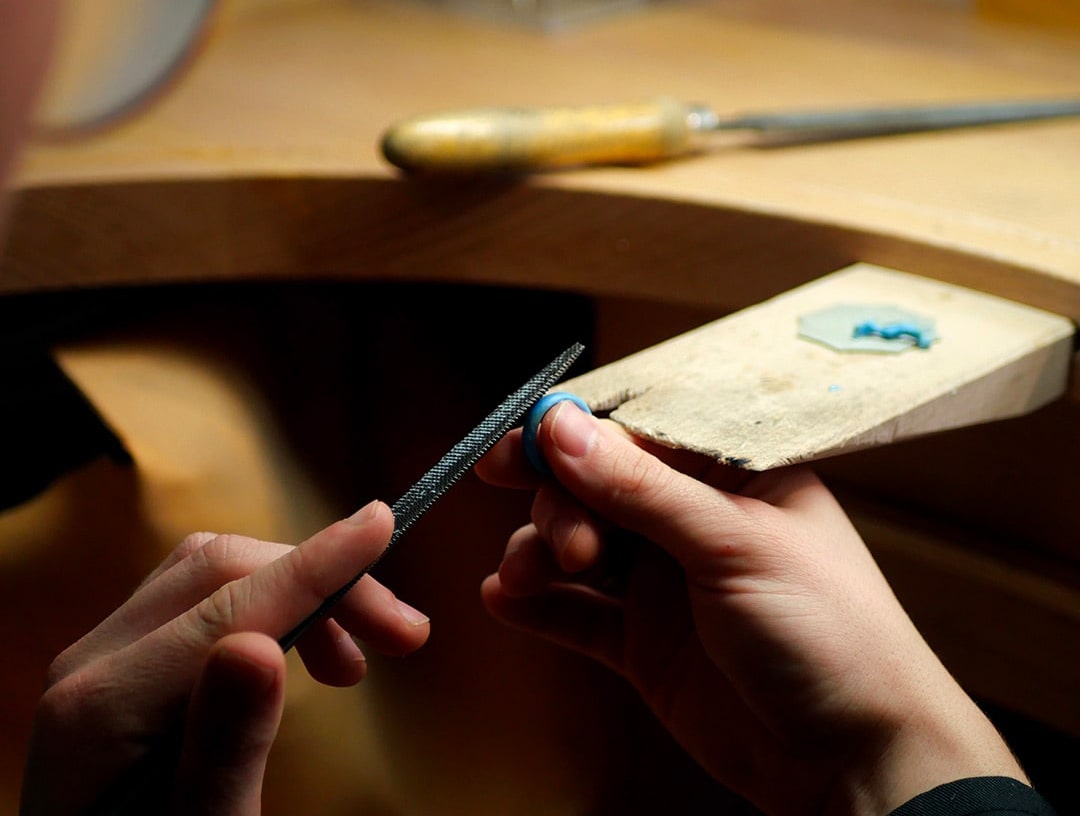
(981, 796)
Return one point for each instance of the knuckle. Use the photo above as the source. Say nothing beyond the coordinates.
(192, 544)
(61, 667)
(302, 573)
(70, 701)
(305, 567)
(54, 710)
(218, 550)
(227, 557)
(217, 613)
(180, 553)
(543, 508)
(637, 478)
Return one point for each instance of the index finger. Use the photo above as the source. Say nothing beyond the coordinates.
(276, 597)
(159, 669)
(506, 465)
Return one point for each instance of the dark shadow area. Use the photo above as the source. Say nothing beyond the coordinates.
(1049, 756)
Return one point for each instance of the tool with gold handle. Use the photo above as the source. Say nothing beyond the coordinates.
(529, 139)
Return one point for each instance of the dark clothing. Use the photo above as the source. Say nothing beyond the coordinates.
(982, 796)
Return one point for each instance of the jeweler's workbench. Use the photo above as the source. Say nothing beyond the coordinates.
(262, 165)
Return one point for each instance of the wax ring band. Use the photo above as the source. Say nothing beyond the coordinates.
(536, 416)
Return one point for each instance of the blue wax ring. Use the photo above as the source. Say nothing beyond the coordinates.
(536, 416)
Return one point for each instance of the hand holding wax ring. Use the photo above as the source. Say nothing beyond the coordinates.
(749, 616)
(532, 425)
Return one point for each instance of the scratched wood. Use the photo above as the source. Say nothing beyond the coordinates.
(748, 390)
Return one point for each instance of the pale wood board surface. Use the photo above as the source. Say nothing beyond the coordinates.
(298, 91)
(748, 390)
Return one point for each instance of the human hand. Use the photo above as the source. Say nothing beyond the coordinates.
(197, 643)
(748, 614)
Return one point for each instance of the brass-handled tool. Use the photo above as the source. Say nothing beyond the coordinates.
(528, 139)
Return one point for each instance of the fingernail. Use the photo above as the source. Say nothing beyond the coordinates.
(355, 651)
(562, 533)
(365, 514)
(414, 617)
(573, 431)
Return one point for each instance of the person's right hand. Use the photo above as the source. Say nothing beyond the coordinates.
(754, 622)
(196, 646)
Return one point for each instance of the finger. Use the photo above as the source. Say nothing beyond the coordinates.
(685, 690)
(696, 465)
(190, 544)
(159, 669)
(232, 720)
(575, 618)
(574, 535)
(585, 549)
(528, 566)
(388, 625)
(372, 613)
(331, 656)
(631, 488)
(369, 611)
(121, 702)
(506, 465)
(277, 596)
(195, 569)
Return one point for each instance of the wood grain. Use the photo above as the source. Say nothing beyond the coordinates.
(298, 92)
(749, 390)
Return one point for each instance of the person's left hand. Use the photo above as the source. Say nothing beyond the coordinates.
(197, 644)
(748, 613)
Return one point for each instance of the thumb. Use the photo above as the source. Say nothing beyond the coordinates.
(233, 718)
(601, 466)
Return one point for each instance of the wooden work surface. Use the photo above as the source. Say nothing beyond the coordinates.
(796, 390)
(263, 164)
(263, 161)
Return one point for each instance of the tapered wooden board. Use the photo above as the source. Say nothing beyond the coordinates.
(748, 390)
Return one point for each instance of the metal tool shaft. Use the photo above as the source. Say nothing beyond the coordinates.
(152, 774)
(899, 119)
(450, 468)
